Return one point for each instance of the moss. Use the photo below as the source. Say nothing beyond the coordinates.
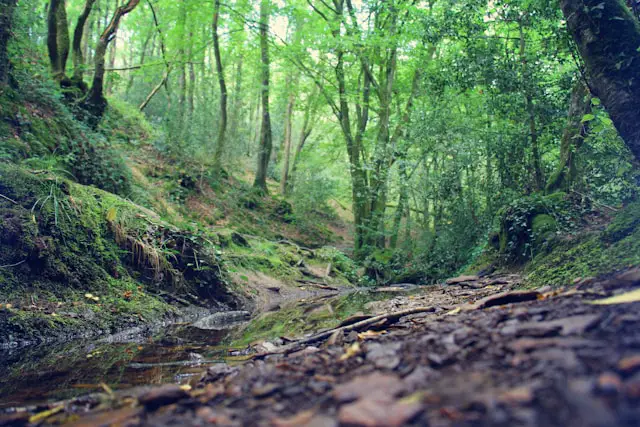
(591, 254)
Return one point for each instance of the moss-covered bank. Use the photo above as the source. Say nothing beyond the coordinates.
(78, 260)
(589, 254)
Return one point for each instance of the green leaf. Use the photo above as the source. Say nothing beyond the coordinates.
(587, 118)
(596, 101)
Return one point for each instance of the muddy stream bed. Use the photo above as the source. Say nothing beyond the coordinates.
(178, 353)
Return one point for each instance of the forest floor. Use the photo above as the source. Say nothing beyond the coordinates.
(475, 351)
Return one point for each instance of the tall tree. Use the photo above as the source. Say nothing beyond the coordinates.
(222, 127)
(95, 102)
(7, 8)
(58, 38)
(76, 52)
(264, 151)
(608, 36)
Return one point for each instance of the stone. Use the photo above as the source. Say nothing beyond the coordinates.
(383, 386)
(370, 412)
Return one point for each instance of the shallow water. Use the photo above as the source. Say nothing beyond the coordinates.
(178, 353)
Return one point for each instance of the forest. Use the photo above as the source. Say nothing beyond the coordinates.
(320, 212)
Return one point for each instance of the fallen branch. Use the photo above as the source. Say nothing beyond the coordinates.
(13, 265)
(316, 284)
(390, 318)
(9, 199)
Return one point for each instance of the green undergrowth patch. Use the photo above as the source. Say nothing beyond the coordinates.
(589, 254)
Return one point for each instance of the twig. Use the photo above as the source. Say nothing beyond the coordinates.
(391, 317)
(7, 198)
(13, 265)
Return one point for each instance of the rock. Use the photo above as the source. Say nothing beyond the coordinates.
(629, 365)
(304, 352)
(370, 412)
(461, 279)
(239, 240)
(383, 386)
(384, 356)
(507, 298)
(162, 396)
(527, 344)
(218, 371)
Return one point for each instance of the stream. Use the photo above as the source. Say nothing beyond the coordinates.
(178, 353)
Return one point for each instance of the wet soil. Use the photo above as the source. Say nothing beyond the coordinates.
(480, 354)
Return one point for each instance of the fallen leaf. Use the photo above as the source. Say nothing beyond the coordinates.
(370, 334)
(625, 298)
(353, 350)
(41, 416)
(454, 311)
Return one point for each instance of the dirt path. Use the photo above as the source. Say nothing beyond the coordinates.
(484, 355)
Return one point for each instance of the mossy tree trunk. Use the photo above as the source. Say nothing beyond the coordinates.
(264, 152)
(608, 36)
(572, 139)
(95, 102)
(58, 38)
(6, 17)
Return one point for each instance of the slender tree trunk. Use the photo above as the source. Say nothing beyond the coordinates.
(236, 104)
(264, 152)
(95, 102)
(288, 118)
(222, 127)
(305, 132)
(7, 8)
(608, 36)
(112, 54)
(531, 113)
(77, 53)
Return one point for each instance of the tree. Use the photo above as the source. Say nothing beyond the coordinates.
(572, 138)
(95, 102)
(222, 127)
(608, 36)
(6, 18)
(58, 38)
(76, 51)
(264, 151)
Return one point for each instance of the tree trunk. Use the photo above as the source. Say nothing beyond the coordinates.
(6, 18)
(58, 38)
(222, 127)
(288, 118)
(531, 112)
(95, 102)
(77, 53)
(264, 152)
(307, 128)
(608, 36)
(572, 139)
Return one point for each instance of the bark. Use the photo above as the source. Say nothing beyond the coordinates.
(95, 102)
(264, 152)
(236, 103)
(77, 53)
(222, 127)
(284, 178)
(607, 36)
(572, 139)
(58, 38)
(305, 133)
(7, 8)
